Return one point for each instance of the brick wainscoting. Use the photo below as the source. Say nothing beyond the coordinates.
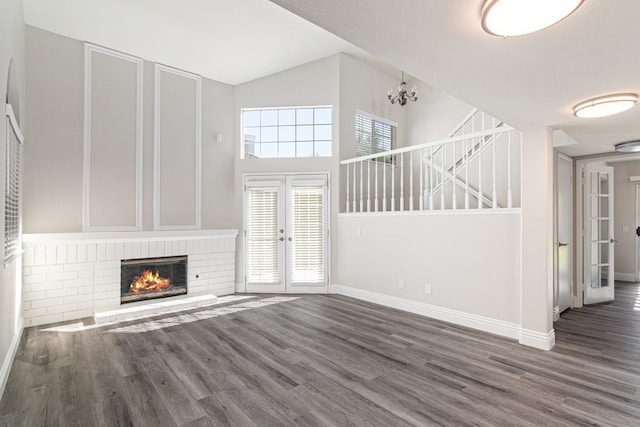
(71, 276)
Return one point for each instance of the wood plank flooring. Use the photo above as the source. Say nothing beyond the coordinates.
(322, 361)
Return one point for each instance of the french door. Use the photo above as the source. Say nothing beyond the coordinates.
(599, 272)
(285, 233)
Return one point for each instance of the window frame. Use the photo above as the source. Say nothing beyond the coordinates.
(297, 127)
(12, 247)
(375, 148)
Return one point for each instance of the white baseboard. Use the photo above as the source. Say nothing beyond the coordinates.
(538, 339)
(626, 277)
(486, 324)
(5, 369)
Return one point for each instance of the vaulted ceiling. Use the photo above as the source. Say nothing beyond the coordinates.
(528, 81)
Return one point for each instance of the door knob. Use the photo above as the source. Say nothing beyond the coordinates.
(290, 239)
(281, 239)
(560, 244)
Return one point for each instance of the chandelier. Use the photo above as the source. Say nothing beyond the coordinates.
(402, 94)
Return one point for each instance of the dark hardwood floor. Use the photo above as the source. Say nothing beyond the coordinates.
(325, 360)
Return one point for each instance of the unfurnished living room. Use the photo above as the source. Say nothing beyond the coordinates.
(330, 213)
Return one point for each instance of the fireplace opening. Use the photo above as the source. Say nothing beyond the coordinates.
(142, 279)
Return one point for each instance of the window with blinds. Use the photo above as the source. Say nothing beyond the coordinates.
(12, 188)
(262, 264)
(374, 135)
(308, 251)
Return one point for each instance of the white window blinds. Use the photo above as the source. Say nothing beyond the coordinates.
(262, 235)
(12, 188)
(308, 245)
(373, 135)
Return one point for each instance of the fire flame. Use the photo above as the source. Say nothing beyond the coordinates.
(149, 282)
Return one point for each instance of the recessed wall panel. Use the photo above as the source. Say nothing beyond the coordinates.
(112, 169)
(177, 150)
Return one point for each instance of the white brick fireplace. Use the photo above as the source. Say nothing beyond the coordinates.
(75, 275)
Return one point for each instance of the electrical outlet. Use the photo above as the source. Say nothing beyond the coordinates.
(401, 284)
(427, 288)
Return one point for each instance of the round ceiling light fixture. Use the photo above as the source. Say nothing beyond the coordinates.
(603, 106)
(508, 18)
(628, 147)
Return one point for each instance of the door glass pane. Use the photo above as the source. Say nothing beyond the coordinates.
(262, 235)
(604, 276)
(308, 243)
(595, 276)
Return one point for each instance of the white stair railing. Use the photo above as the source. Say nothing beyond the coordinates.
(479, 170)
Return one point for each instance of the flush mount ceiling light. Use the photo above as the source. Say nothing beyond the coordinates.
(628, 147)
(605, 105)
(516, 17)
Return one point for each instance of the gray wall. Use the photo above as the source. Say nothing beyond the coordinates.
(53, 178)
(625, 218)
(12, 87)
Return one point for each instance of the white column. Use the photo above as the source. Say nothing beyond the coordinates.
(537, 240)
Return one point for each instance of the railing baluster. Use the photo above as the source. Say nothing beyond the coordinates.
(466, 174)
(480, 171)
(443, 155)
(361, 195)
(454, 183)
(410, 180)
(393, 187)
(354, 187)
(369, 186)
(431, 178)
(494, 194)
(347, 207)
(384, 185)
(401, 181)
(422, 178)
(509, 193)
(376, 188)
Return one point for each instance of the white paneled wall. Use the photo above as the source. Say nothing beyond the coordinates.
(71, 276)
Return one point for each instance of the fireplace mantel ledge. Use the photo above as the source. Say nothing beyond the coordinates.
(124, 236)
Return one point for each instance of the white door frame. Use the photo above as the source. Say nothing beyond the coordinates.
(556, 238)
(579, 215)
(254, 176)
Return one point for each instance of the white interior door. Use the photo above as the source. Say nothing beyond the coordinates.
(286, 233)
(599, 271)
(564, 251)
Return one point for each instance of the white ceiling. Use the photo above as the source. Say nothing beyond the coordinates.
(527, 81)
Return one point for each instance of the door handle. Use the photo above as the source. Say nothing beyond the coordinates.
(290, 239)
(560, 244)
(638, 231)
(614, 241)
(281, 239)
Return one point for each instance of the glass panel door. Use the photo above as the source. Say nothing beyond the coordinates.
(599, 239)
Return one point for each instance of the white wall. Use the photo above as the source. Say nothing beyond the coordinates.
(11, 52)
(625, 218)
(53, 176)
(434, 115)
(471, 261)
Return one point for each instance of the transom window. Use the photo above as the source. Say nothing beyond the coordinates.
(374, 135)
(287, 132)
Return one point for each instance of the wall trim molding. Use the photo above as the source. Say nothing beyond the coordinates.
(625, 277)
(157, 138)
(89, 49)
(486, 324)
(542, 341)
(5, 369)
